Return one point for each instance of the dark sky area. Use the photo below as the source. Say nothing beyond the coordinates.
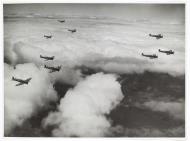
(173, 12)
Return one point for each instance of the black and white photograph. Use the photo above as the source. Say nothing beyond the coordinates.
(94, 70)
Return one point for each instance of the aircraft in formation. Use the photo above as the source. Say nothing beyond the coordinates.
(158, 36)
(21, 82)
(47, 57)
(153, 56)
(61, 21)
(52, 69)
(48, 36)
(168, 52)
(72, 30)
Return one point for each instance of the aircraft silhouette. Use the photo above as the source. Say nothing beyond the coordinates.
(61, 21)
(21, 81)
(168, 52)
(158, 36)
(154, 56)
(72, 30)
(47, 58)
(53, 69)
(47, 37)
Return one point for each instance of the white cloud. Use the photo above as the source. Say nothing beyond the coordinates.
(82, 111)
(174, 109)
(22, 101)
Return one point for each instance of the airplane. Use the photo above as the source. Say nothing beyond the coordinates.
(47, 37)
(158, 36)
(154, 56)
(61, 21)
(168, 52)
(53, 69)
(72, 30)
(47, 58)
(21, 81)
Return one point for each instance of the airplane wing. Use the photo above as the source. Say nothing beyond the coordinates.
(19, 84)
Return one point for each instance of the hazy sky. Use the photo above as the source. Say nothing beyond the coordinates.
(129, 11)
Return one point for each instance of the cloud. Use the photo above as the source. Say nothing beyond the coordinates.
(175, 109)
(27, 53)
(132, 64)
(9, 55)
(116, 64)
(24, 100)
(19, 53)
(178, 131)
(82, 111)
(107, 59)
(66, 75)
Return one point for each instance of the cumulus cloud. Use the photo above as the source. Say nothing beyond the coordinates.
(110, 57)
(174, 109)
(22, 101)
(23, 52)
(67, 75)
(10, 56)
(131, 64)
(116, 64)
(19, 53)
(82, 111)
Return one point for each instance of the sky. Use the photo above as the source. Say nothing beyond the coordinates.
(127, 11)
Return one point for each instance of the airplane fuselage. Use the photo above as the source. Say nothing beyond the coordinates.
(150, 56)
(61, 21)
(21, 82)
(157, 36)
(167, 52)
(72, 30)
(46, 57)
(47, 37)
(53, 68)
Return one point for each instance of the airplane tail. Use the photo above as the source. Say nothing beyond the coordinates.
(159, 50)
(150, 34)
(40, 56)
(45, 66)
(13, 78)
(142, 54)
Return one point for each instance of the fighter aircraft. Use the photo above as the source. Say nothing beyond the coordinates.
(61, 21)
(72, 30)
(158, 36)
(47, 58)
(168, 52)
(53, 69)
(47, 37)
(150, 56)
(21, 81)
